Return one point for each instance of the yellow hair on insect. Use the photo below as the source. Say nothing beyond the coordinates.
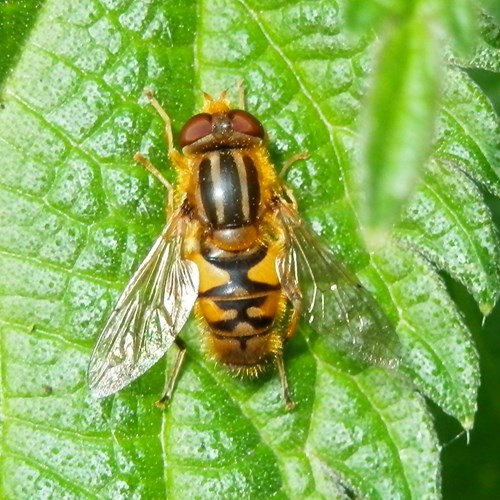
(220, 105)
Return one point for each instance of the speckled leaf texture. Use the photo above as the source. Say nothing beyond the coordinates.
(78, 216)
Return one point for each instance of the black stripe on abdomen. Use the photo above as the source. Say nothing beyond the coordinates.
(241, 305)
(238, 266)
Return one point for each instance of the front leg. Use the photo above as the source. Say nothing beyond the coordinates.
(174, 155)
(159, 176)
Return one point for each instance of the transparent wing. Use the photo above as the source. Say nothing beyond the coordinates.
(148, 315)
(333, 300)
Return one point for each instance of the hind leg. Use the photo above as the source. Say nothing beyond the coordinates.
(287, 398)
(290, 332)
(174, 375)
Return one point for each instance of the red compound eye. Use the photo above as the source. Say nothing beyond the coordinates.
(245, 123)
(195, 128)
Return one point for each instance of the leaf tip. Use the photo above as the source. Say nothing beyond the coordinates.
(467, 424)
(485, 308)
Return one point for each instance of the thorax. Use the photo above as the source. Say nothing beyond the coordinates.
(227, 189)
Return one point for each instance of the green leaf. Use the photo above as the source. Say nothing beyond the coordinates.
(449, 212)
(491, 6)
(369, 14)
(16, 20)
(373, 14)
(469, 130)
(398, 119)
(461, 21)
(78, 217)
(441, 358)
(487, 50)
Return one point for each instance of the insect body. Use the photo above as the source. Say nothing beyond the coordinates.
(239, 295)
(236, 250)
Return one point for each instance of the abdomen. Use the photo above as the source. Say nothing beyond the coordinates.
(240, 301)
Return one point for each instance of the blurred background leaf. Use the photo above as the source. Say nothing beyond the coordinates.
(16, 20)
(78, 216)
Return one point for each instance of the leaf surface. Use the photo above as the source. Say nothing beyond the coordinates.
(78, 216)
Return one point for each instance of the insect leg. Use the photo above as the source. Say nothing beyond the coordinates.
(168, 123)
(289, 403)
(241, 94)
(173, 154)
(159, 176)
(291, 161)
(174, 375)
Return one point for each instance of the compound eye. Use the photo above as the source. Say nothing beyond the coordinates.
(247, 124)
(195, 128)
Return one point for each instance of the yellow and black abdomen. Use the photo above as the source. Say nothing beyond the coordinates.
(240, 300)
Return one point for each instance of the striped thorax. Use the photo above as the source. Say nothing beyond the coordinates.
(228, 190)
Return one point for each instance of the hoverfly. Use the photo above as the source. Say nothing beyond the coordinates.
(235, 249)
